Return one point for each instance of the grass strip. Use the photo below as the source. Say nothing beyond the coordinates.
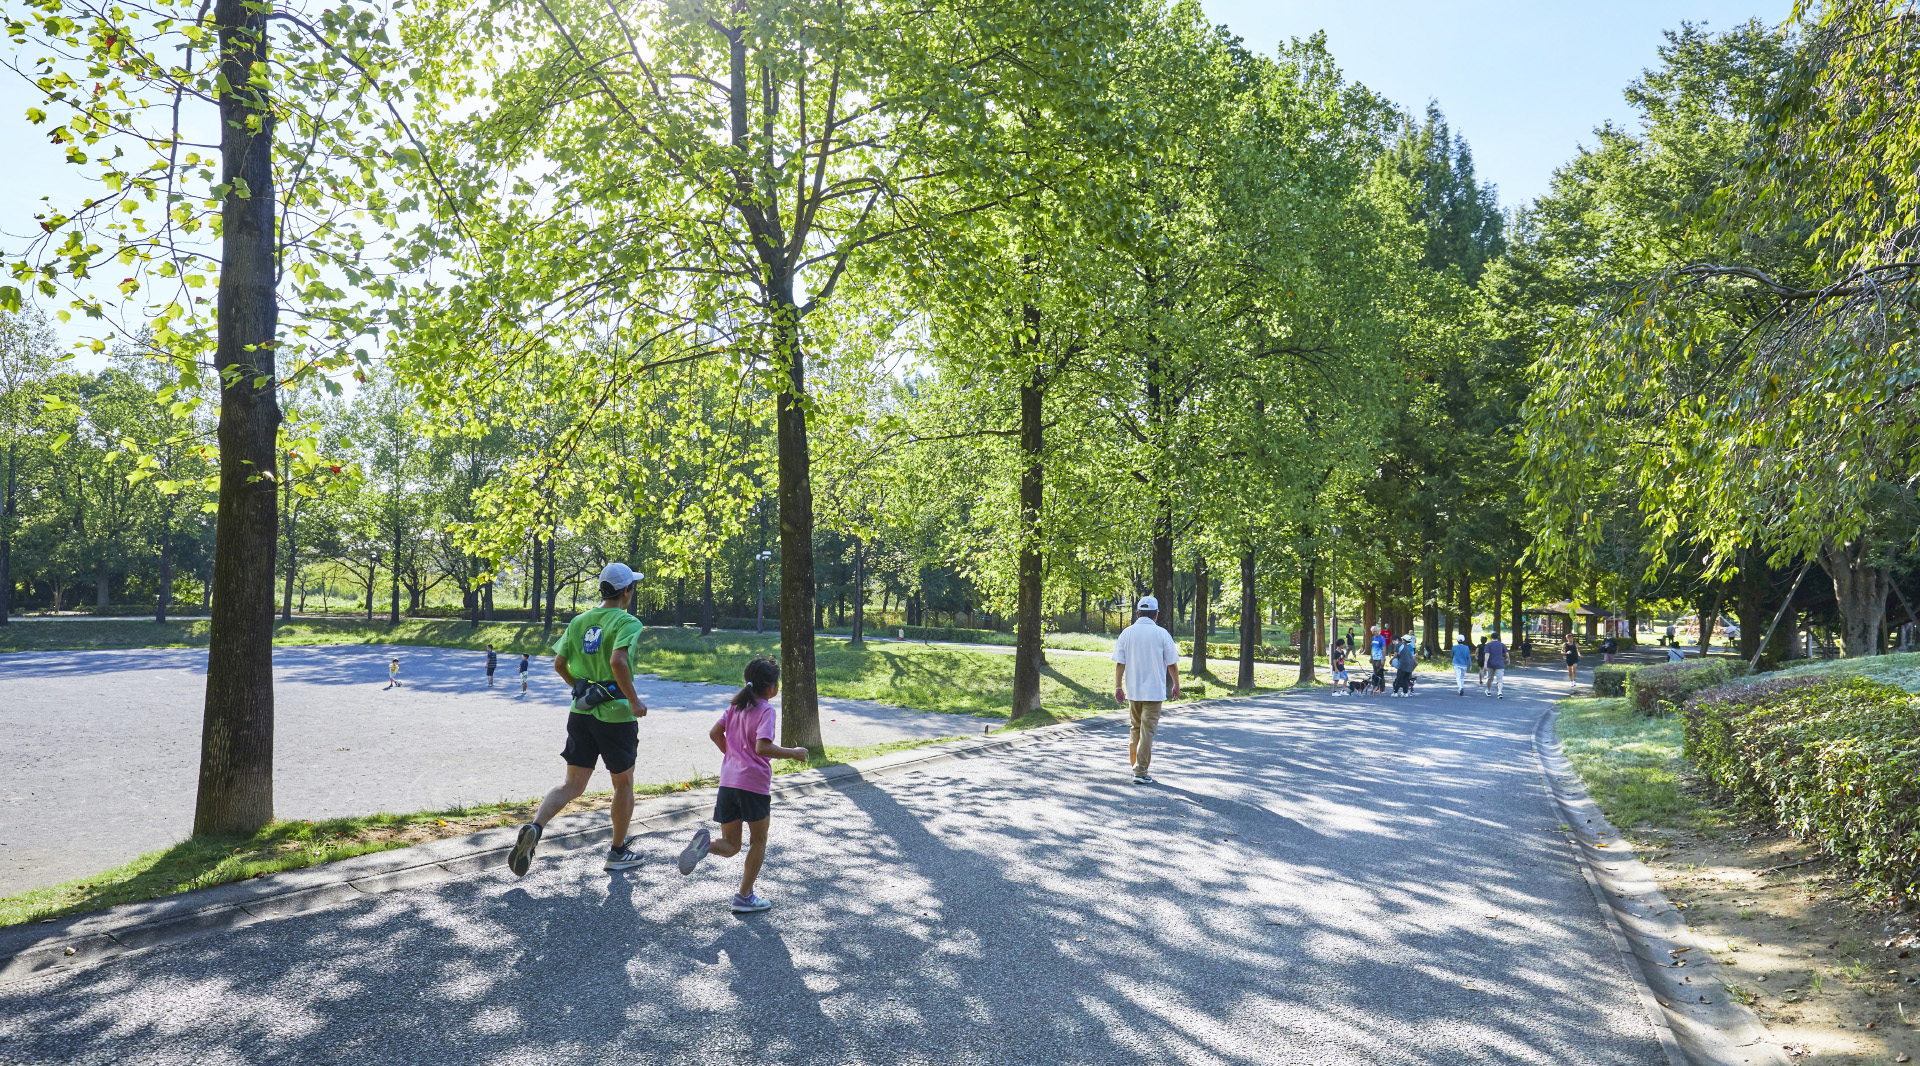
(292, 845)
(1632, 764)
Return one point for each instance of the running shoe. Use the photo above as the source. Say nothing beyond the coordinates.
(1142, 779)
(695, 850)
(522, 854)
(623, 857)
(750, 904)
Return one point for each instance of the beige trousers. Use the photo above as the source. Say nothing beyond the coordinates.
(1146, 718)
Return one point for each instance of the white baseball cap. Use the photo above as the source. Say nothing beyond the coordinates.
(619, 575)
(1148, 603)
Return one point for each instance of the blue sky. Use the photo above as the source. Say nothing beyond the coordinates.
(1525, 80)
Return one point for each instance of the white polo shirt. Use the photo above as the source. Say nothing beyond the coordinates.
(1146, 651)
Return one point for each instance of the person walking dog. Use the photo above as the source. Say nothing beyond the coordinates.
(1146, 667)
(593, 657)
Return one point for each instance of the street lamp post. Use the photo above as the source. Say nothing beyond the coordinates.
(760, 616)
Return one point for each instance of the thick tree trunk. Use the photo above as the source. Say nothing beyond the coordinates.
(1499, 587)
(1465, 590)
(486, 601)
(1452, 614)
(553, 577)
(1028, 650)
(536, 582)
(1249, 618)
(1752, 600)
(1861, 590)
(236, 739)
(1201, 631)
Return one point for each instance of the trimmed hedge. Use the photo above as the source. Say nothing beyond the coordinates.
(1835, 760)
(1664, 688)
(1611, 680)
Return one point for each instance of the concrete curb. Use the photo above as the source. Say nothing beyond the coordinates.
(87, 939)
(1697, 1021)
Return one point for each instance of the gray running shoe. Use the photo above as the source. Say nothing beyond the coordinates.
(1142, 779)
(695, 850)
(752, 904)
(623, 857)
(522, 854)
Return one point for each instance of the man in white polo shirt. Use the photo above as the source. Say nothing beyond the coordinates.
(1146, 664)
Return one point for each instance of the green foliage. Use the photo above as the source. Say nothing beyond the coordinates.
(1835, 760)
(1611, 680)
(1899, 668)
(1662, 689)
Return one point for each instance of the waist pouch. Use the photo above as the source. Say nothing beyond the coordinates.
(590, 694)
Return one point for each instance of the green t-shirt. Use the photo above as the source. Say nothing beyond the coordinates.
(588, 646)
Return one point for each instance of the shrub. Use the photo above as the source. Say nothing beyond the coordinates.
(1611, 680)
(1834, 759)
(1664, 688)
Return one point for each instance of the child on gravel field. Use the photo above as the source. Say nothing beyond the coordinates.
(393, 675)
(523, 675)
(744, 735)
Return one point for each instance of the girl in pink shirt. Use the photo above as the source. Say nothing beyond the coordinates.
(744, 735)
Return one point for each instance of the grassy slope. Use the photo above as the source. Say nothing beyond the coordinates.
(1632, 764)
(1901, 669)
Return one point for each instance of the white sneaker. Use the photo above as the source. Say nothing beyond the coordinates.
(1142, 779)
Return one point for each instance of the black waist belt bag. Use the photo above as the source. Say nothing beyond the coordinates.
(590, 694)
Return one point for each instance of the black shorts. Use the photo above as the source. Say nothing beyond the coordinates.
(588, 739)
(739, 805)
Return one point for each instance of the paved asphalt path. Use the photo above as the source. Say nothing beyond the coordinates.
(103, 747)
(1313, 880)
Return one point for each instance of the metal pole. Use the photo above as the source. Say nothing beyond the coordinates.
(1777, 615)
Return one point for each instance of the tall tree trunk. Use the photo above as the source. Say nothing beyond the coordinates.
(1751, 598)
(553, 577)
(236, 738)
(800, 701)
(1517, 609)
(1466, 607)
(104, 576)
(1163, 558)
(1307, 621)
(486, 598)
(860, 594)
(6, 537)
(166, 561)
(1430, 607)
(293, 568)
(393, 611)
(537, 582)
(1028, 654)
(1499, 588)
(1201, 631)
(1861, 590)
(706, 599)
(1452, 614)
(1249, 618)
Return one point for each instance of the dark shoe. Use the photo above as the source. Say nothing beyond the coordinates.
(522, 854)
(623, 857)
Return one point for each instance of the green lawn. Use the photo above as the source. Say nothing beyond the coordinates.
(291, 845)
(1632, 764)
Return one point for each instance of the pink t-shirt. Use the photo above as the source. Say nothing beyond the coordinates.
(742, 766)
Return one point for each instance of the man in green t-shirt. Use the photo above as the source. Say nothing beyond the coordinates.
(592, 657)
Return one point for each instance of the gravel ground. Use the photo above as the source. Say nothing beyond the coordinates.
(1313, 880)
(103, 747)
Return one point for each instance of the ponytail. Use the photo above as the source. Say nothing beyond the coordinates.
(761, 676)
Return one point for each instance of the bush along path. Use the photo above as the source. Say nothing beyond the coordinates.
(1807, 942)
